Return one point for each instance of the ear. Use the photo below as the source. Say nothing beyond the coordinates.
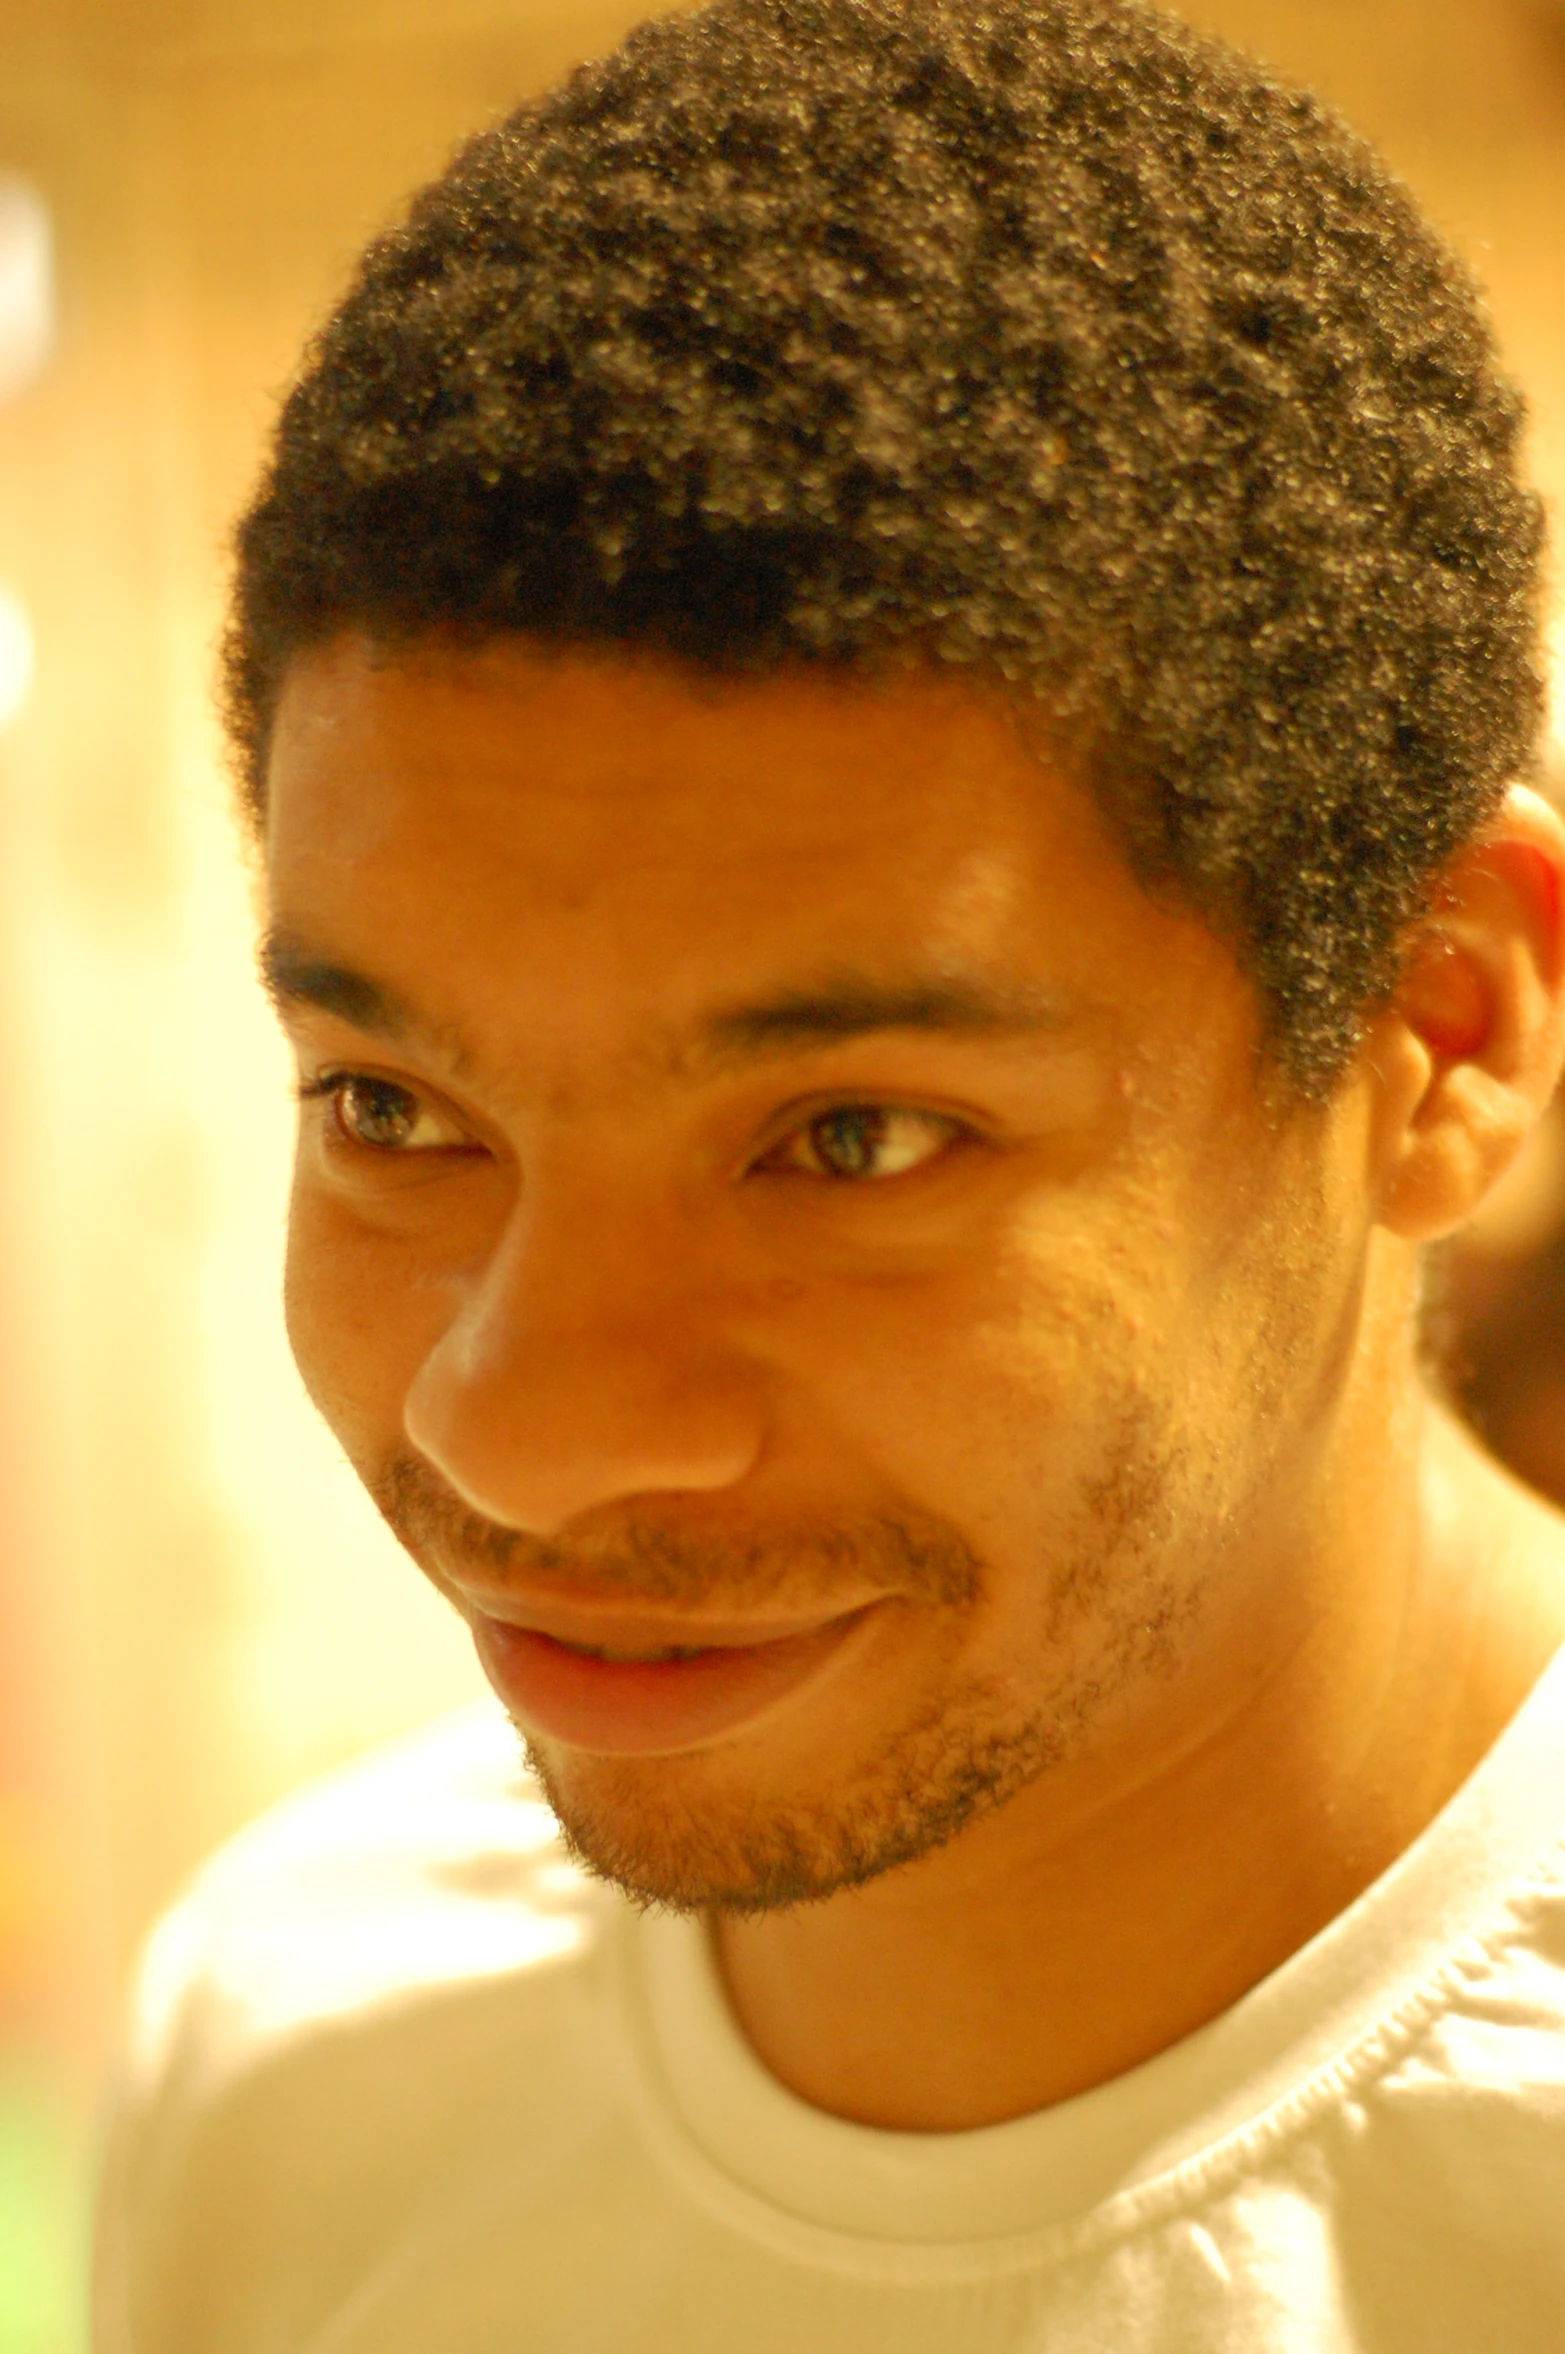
(1467, 1054)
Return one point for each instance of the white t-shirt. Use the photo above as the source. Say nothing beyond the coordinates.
(403, 2082)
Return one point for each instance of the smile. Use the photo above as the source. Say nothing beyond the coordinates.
(627, 1698)
(637, 1658)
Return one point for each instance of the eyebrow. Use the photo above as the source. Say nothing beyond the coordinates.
(294, 975)
(792, 1022)
(854, 1008)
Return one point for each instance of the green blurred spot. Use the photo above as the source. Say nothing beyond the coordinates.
(42, 2216)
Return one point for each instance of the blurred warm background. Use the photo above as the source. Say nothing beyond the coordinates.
(196, 1607)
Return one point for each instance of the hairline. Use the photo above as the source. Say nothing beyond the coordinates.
(983, 682)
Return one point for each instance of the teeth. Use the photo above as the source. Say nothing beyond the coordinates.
(632, 1658)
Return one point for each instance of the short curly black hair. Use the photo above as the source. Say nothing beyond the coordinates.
(1044, 336)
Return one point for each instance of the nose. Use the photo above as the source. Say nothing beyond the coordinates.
(584, 1366)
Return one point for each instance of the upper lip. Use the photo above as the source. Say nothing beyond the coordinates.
(610, 1626)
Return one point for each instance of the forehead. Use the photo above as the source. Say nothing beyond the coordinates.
(481, 821)
(503, 737)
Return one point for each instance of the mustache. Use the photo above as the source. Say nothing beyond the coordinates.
(799, 1561)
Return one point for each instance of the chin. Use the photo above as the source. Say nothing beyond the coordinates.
(698, 1833)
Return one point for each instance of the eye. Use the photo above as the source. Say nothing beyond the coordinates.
(381, 1116)
(865, 1140)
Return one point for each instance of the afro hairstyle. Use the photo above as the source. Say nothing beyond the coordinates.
(1046, 337)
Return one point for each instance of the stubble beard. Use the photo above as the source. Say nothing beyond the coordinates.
(674, 1833)
(691, 1832)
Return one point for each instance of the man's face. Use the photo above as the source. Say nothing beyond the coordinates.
(794, 1240)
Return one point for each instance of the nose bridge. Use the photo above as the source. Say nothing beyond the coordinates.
(586, 1363)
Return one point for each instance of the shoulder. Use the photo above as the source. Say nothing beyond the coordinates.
(430, 1862)
(390, 1986)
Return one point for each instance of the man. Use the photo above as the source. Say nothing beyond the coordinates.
(886, 668)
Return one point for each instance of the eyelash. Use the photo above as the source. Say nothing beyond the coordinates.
(807, 1132)
(330, 1084)
(844, 1114)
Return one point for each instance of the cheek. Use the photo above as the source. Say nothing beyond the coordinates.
(373, 1276)
(359, 1320)
(996, 1395)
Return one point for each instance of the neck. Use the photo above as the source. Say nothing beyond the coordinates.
(1110, 1909)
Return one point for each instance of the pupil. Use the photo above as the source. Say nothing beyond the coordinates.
(377, 1113)
(848, 1141)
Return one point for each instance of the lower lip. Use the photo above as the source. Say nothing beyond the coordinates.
(636, 1707)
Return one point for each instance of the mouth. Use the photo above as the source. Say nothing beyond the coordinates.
(616, 1685)
(635, 1658)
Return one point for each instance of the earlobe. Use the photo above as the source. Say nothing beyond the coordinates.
(1468, 1052)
